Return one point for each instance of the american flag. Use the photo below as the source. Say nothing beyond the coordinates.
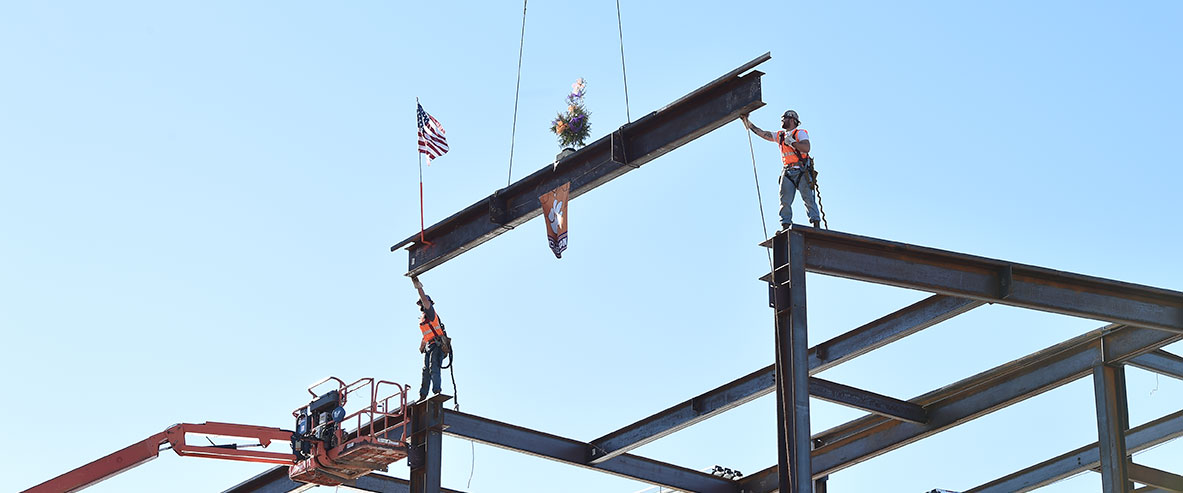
(431, 135)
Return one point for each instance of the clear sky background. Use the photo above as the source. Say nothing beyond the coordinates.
(197, 201)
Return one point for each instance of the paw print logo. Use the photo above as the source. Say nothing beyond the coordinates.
(556, 216)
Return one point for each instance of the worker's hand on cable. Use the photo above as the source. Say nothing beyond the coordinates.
(744, 117)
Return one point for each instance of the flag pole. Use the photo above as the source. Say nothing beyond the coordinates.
(422, 238)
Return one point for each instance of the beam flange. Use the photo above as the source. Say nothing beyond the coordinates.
(980, 278)
(623, 150)
(878, 333)
(1155, 477)
(1160, 362)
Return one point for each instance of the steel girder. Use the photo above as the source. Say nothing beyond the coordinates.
(1160, 362)
(624, 150)
(845, 347)
(845, 445)
(990, 280)
(575, 453)
(1156, 432)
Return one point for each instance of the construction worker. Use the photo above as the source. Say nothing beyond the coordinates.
(797, 174)
(434, 345)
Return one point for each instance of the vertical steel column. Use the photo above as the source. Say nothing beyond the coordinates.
(424, 456)
(1112, 423)
(792, 363)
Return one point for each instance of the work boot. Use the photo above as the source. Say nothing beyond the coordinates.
(784, 226)
(815, 223)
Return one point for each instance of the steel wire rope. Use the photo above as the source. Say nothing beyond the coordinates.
(516, 93)
(620, 30)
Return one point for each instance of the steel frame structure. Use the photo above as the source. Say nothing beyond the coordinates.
(1140, 321)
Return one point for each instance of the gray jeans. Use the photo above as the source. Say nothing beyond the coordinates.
(788, 190)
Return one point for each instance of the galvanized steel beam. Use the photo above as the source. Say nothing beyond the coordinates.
(878, 333)
(1154, 433)
(1161, 362)
(949, 406)
(634, 144)
(990, 280)
(1155, 477)
(575, 453)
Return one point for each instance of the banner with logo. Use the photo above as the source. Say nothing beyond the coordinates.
(554, 213)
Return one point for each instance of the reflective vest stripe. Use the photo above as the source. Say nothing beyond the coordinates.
(788, 155)
(427, 328)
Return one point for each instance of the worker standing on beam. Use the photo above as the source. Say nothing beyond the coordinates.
(797, 174)
(435, 344)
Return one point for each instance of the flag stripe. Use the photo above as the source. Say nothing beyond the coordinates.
(431, 135)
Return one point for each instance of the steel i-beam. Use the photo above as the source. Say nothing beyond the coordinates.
(1112, 419)
(792, 363)
(624, 150)
(424, 455)
(885, 330)
(990, 280)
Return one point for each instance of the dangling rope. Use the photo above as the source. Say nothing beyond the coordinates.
(620, 29)
(759, 199)
(818, 192)
(516, 91)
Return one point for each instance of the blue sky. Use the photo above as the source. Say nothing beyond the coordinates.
(198, 200)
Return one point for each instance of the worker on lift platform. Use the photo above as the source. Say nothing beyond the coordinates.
(797, 174)
(435, 344)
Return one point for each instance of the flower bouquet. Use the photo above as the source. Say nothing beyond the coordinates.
(573, 127)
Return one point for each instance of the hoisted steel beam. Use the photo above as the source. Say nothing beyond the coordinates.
(629, 147)
(990, 280)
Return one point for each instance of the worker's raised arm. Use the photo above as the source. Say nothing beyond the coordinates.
(764, 134)
(423, 299)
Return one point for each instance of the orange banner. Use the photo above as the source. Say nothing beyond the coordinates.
(554, 211)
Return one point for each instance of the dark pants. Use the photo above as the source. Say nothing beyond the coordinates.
(432, 360)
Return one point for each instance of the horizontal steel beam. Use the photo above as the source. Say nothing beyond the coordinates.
(275, 480)
(1162, 362)
(867, 401)
(952, 405)
(845, 347)
(990, 280)
(1086, 458)
(1155, 477)
(575, 453)
(634, 144)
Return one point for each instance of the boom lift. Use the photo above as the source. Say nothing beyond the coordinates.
(329, 446)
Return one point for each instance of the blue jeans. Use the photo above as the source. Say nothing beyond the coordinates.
(788, 191)
(432, 360)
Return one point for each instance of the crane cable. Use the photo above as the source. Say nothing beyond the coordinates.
(620, 30)
(516, 92)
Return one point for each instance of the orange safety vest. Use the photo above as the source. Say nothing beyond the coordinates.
(431, 329)
(788, 155)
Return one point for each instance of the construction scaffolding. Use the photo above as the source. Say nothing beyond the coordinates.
(1140, 321)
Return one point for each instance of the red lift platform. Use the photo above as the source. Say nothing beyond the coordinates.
(329, 447)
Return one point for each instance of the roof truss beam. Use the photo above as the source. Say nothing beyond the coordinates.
(990, 280)
(866, 338)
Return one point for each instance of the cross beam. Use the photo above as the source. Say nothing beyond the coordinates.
(624, 150)
(848, 444)
(990, 280)
(885, 330)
